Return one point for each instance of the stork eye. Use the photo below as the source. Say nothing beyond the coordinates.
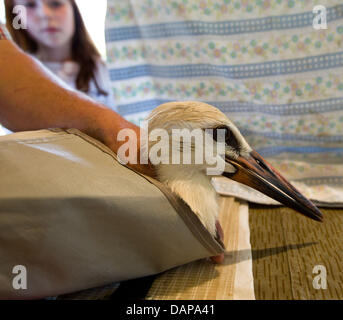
(230, 138)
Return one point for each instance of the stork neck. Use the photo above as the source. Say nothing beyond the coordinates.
(196, 190)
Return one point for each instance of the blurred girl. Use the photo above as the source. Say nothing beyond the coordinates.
(56, 35)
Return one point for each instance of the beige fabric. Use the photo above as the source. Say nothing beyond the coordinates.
(203, 280)
(99, 293)
(77, 219)
(262, 63)
(322, 195)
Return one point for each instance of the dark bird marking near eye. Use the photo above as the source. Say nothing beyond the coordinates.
(230, 138)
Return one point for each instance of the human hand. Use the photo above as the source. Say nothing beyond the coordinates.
(106, 129)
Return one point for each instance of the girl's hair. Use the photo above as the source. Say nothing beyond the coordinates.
(83, 48)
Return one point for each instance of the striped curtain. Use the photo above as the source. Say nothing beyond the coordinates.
(261, 62)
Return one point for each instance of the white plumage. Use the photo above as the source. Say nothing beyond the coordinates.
(238, 160)
(190, 182)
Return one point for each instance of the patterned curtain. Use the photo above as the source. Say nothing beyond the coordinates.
(259, 61)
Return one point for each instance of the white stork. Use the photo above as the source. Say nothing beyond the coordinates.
(242, 163)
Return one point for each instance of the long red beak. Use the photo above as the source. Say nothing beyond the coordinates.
(257, 173)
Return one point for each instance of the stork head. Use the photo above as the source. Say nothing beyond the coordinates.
(240, 162)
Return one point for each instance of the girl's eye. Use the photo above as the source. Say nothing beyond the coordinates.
(55, 4)
(30, 4)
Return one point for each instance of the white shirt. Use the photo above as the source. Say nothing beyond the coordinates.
(67, 71)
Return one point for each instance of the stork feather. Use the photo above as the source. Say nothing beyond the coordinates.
(241, 163)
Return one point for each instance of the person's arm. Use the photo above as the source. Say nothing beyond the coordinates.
(32, 99)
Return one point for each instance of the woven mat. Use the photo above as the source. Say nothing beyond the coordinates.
(286, 247)
(203, 280)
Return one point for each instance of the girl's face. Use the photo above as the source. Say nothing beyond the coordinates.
(49, 22)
